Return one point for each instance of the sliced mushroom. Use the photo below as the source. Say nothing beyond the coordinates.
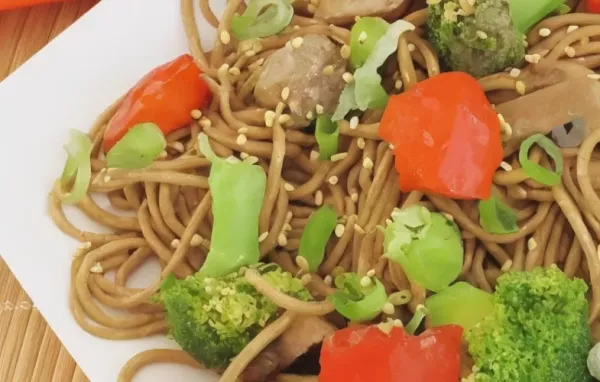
(304, 333)
(573, 96)
(342, 12)
(300, 67)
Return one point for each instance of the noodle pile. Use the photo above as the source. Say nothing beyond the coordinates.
(558, 225)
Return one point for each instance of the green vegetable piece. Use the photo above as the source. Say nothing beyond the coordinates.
(459, 304)
(327, 134)
(416, 320)
(138, 148)
(482, 43)
(213, 319)
(496, 217)
(346, 103)
(426, 244)
(237, 191)
(356, 301)
(536, 171)
(316, 235)
(538, 330)
(363, 37)
(262, 18)
(527, 13)
(77, 172)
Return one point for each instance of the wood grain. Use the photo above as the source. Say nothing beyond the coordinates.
(29, 350)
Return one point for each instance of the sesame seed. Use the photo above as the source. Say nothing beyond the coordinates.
(205, 122)
(263, 236)
(533, 58)
(345, 51)
(107, 179)
(296, 27)
(362, 37)
(356, 19)
(288, 216)
(348, 77)
(163, 154)
(570, 51)
(593, 76)
(178, 146)
(250, 53)
(520, 86)
(302, 263)
(354, 122)
(225, 37)
(333, 180)
(96, 268)
(572, 28)
(339, 230)
(365, 281)
(328, 70)
(175, 243)
(196, 114)
(270, 118)
(244, 155)
(354, 197)
(297, 42)
(545, 32)
(388, 308)
(411, 47)
(284, 118)
(288, 187)
(241, 140)
(319, 197)
(328, 280)
(360, 142)
(311, 8)
(386, 327)
(448, 216)
(310, 115)
(506, 267)
(505, 166)
(514, 72)
(531, 244)
(235, 71)
(371, 273)
(285, 93)
(242, 130)
(196, 240)
(282, 240)
(398, 323)
(368, 163)
(398, 84)
(481, 34)
(319, 109)
(338, 157)
(305, 279)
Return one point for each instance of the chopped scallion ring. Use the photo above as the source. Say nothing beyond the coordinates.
(262, 18)
(534, 170)
(78, 169)
(315, 236)
(496, 217)
(141, 145)
(327, 134)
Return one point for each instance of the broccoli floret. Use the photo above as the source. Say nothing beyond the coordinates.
(538, 331)
(213, 319)
(481, 42)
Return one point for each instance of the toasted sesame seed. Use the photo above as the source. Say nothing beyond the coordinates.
(196, 240)
(302, 263)
(360, 142)
(319, 197)
(365, 281)
(411, 47)
(356, 19)
(314, 155)
(263, 236)
(572, 28)
(250, 53)
(362, 37)
(288, 216)
(284, 118)
(505, 166)
(319, 109)
(388, 308)
(297, 42)
(481, 34)
(386, 327)
(175, 243)
(533, 58)
(520, 87)
(270, 118)
(593, 76)
(398, 84)
(178, 146)
(333, 180)
(531, 244)
(296, 27)
(328, 280)
(507, 265)
(205, 122)
(196, 114)
(163, 154)
(345, 51)
(235, 71)
(288, 187)
(241, 139)
(348, 77)
(339, 230)
(338, 157)
(106, 178)
(354, 122)
(545, 32)
(225, 37)
(328, 70)
(310, 115)
(514, 72)
(285, 93)
(371, 273)
(354, 197)
(368, 163)
(570, 51)
(244, 155)
(282, 240)
(96, 268)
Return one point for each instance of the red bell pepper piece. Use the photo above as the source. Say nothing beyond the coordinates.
(366, 354)
(12, 4)
(446, 137)
(165, 96)
(592, 6)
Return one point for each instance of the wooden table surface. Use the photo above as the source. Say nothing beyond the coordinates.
(29, 350)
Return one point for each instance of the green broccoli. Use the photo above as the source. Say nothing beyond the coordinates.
(480, 41)
(213, 319)
(537, 332)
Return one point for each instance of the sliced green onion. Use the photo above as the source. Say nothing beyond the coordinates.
(77, 172)
(262, 18)
(426, 244)
(363, 37)
(138, 148)
(460, 304)
(356, 300)
(315, 236)
(416, 320)
(526, 13)
(496, 217)
(534, 170)
(327, 134)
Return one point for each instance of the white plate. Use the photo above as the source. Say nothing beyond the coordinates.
(66, 86)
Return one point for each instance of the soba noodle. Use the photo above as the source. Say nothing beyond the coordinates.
(558, 225)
